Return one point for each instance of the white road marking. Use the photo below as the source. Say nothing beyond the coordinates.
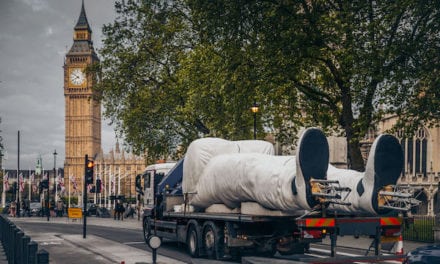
(133, 243)
(347, 254)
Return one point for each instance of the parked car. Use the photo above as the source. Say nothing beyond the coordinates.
(35, 209)
(424, 255)
(102, 212)
(91, 209)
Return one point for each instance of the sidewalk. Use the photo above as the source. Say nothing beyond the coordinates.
(66, 249)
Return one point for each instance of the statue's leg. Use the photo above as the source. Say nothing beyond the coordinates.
(312, 162)
(384, 166)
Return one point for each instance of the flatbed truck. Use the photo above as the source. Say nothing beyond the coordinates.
(221, 234)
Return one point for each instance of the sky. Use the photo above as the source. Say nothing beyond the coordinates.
(35, 36)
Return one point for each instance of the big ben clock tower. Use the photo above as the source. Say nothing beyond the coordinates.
(83, 111)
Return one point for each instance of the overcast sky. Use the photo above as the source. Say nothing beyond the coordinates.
(35, 36)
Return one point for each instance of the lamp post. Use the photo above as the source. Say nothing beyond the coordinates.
(48, 185)
(55, 173)
(254, 110)
(18, 175)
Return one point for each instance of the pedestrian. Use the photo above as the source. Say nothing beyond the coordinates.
(121, 211)
(60, 208)
(13, 209)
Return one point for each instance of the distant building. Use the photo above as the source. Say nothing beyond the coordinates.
(117, 171)
(30, 182)
(422, 162)
(83, 121)
(82, 110)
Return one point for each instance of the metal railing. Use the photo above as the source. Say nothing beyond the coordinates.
(18, 247)
(420, 229)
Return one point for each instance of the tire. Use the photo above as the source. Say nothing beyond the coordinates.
(146, 228)
(192, 242)
(295, 248)
(271, 252)
(213, 240)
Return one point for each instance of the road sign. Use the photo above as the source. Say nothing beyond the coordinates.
(74, 213)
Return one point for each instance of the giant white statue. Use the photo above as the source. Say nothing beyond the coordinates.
(227, 172)
(218, 171)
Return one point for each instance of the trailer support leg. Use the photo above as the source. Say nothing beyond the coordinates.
(332, 244)
(377, 241)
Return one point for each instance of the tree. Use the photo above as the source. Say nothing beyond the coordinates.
(350, 62)
(173, 70)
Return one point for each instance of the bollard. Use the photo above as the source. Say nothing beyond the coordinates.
(24, 248)
(7, 243)
(2, 224)
(42, 257)
(17, 244)
(11, 257)
(32, 252)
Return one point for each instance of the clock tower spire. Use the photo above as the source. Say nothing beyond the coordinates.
(82, 109)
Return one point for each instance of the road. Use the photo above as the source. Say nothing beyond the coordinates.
(63, 240)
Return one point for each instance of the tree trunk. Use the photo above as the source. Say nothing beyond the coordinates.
(354, 156)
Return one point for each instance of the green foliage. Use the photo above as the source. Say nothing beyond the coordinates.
(173, 71)
(73, 200)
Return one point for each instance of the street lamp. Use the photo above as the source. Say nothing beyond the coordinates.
(55, 171)
(254, 110)
(48, 184)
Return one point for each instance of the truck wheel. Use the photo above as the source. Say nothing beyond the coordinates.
(192, 242)
(213, 240)
(147, 228)
(294, 248)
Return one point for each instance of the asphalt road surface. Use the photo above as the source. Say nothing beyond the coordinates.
(51, 236)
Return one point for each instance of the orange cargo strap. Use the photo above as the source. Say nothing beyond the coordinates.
(386, 221)
(320, 222)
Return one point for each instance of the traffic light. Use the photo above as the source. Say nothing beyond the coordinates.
(89, 171)
(98, 186)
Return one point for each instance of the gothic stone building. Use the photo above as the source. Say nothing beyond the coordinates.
(83, 111)
(422, 163)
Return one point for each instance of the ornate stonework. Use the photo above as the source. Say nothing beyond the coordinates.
(117, 171)
(83, 125)
(82, 110)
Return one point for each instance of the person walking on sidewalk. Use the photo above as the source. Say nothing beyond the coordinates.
(119, 211)
(13, 209)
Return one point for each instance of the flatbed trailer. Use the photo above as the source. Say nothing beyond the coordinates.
(230, 235)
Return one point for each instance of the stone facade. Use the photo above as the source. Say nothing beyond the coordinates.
(83, 122)
(82, 110)
(422, 163)
(117, 171)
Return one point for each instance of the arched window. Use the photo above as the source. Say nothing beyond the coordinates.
(416, 151)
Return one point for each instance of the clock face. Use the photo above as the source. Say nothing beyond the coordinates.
(77, 77)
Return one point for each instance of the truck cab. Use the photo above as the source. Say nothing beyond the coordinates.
(152, 175)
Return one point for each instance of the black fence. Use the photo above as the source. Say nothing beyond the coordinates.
(18, 247)
(420, 229)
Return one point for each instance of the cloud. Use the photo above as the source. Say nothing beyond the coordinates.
(49, 31)
(35, 36)
(37, 5)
